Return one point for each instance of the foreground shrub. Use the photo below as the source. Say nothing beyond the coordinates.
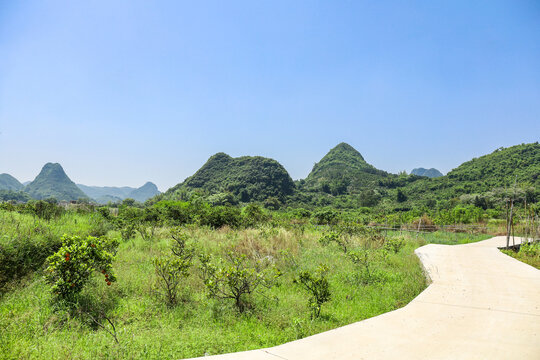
(70, 268)
(44, 209)
(21, 255)
(394, 244)
(318, 286)
(172, 269)
(236, 278)
(365, 260)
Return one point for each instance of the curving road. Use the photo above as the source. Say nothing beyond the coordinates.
(481, 304)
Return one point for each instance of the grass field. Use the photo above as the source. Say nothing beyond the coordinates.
(133, 311)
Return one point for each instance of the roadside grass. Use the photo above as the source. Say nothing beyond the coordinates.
(527, 253)
(443, 237)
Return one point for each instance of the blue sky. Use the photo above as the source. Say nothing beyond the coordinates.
(124, 92)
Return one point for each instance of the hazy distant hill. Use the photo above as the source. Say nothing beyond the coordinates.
(96, 192)
(8, 182)
(431, 173)
(249, 178)
(343, 169)
(105, 194)
(52, 181)
(145, 192)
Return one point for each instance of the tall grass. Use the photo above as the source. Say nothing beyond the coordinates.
(32, 325)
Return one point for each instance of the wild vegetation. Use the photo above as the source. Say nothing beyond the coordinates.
(528, 253)
(181, 279)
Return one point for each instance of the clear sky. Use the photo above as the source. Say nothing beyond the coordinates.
(124, 92)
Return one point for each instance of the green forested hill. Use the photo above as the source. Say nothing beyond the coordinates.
(484, 174)
(8, 182)
(248, 178)
(343, 170)
(52, 181)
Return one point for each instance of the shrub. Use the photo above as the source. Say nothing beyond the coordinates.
(318, 286)
(343, 242)
(325, 217)
(236, 279)
(394, 244)
(44, 209)
(220, 216)
(365, 260)
(253, 214)
(20, 256)
(172, 269)
(70, 268)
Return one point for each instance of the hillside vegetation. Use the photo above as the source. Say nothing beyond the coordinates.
(485, 177)
(343, 170)
(52, 182)
(8, 182)
(246, 178)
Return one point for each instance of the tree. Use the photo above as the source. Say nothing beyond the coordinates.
(401, 197)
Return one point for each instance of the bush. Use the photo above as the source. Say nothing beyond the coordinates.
(236, 279)
(394, 244)
(172, 269)
(253, 214)
(44, 209)
(365, 260)
(318, 286)
(20, 256)
(220, 216)
(70, 268)
(326, 216)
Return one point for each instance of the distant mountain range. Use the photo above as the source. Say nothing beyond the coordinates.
(431, 173)
(105, 194)
(342, 178)
(52, 182)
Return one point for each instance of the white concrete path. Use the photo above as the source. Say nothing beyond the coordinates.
(481, 304)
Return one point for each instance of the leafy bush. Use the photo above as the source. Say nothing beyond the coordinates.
(21, 255)
(394, 244)
(44, 210)
(325, 216)
(530, 249)
(220, 216)
(318, 286)
(70, 268)
(253, 214)
(365, 260)
(172, 269)
(236, 279)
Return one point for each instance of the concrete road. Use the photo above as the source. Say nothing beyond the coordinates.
(481, 304)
